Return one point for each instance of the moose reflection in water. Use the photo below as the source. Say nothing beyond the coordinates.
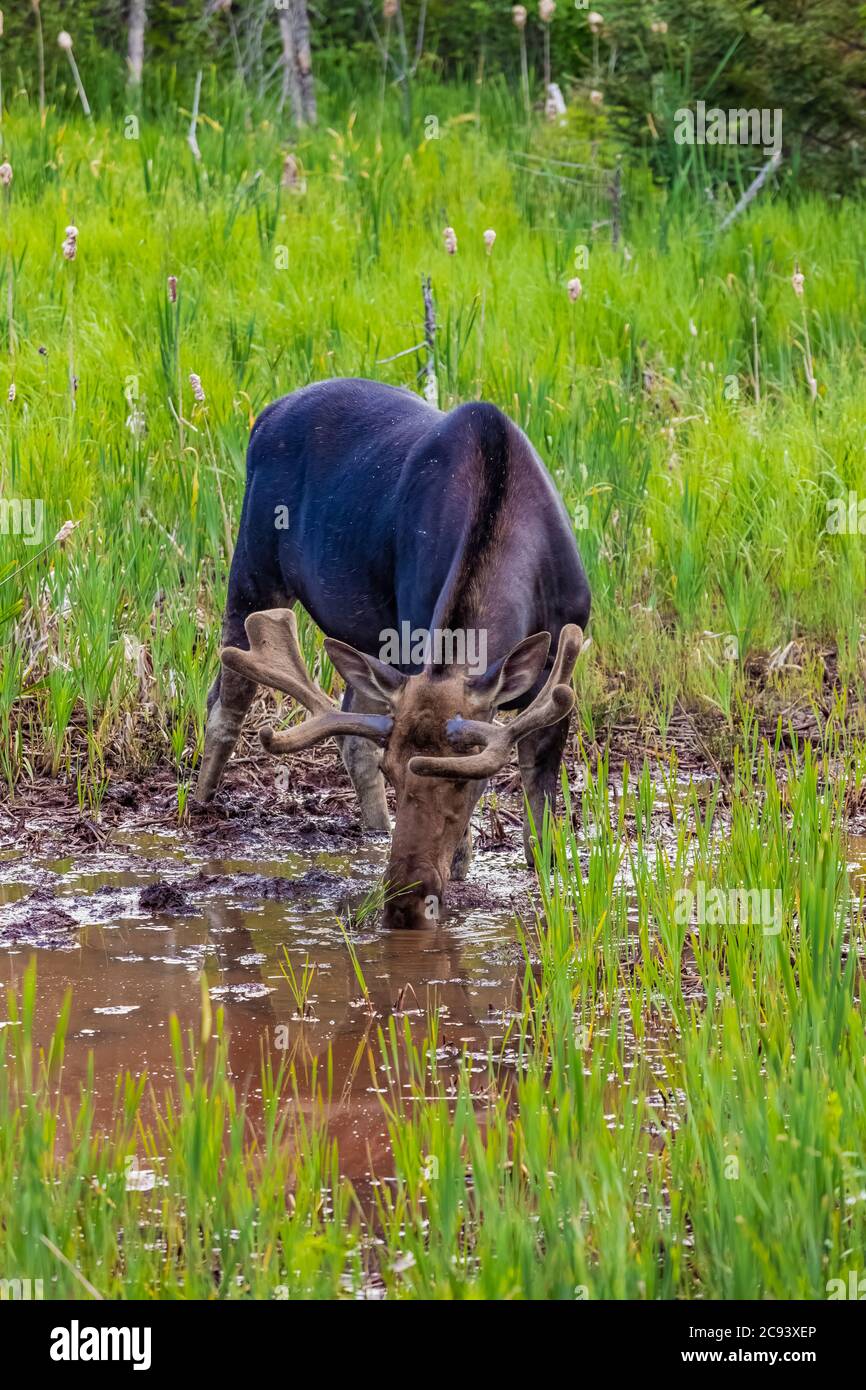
(129, 977)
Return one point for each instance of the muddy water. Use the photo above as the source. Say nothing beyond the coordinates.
(232, 921)
(230, 911)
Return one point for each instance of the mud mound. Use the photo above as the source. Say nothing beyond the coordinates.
(164, 897)
(38, 921)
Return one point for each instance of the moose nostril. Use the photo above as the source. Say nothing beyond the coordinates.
(413, 910)
(414, 895)
(404, 917)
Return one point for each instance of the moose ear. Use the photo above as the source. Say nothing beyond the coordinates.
(510, 677)
(365, 674)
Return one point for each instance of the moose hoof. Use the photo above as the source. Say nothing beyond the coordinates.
(535, 856)
(529, 848)
(377, 831)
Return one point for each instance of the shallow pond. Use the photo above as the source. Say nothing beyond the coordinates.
(238, 921)
(134, 924)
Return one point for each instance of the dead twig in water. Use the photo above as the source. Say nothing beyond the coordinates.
(719, 770)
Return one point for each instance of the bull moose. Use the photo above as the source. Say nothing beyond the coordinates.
(379, 513)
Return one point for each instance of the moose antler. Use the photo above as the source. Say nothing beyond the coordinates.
(275, 659)
(553, 702)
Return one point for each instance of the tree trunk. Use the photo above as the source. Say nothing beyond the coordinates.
(304, 60)
(135, 53)
(298, 83)
(291, 90)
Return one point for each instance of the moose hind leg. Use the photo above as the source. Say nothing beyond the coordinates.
(540, 757)
(363, 762)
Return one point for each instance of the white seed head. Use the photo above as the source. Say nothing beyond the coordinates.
(575, 290)
(519, 15)
(546, 10)
(65, 532)
(659, 26)
(6, 174)
(798, 281)
(172, 289)
(65, 41)
(489, 239)
(595, 21)
(449, 236)
(390, 8)
(596, 98)
(70, 245)
(197, 388)
(11, 392)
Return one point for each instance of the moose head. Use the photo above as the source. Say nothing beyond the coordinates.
(439, 742)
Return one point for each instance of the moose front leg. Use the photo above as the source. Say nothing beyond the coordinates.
(465, 852)
(228, 702)
(463, 856)
(540, 757)
(363, 762)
